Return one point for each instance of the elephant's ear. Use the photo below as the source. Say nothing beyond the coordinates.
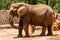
(22, 10)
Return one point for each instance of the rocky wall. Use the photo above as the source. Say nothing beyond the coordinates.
(4, 17)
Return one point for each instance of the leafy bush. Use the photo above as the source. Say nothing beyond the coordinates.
(57, 7)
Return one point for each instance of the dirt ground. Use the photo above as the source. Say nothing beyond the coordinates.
(11, 34)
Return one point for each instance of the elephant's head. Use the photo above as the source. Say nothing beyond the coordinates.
(13, 10)
(17, 9)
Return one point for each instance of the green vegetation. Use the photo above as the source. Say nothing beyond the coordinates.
(55, 4)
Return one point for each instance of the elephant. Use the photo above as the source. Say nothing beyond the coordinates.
(37, 15)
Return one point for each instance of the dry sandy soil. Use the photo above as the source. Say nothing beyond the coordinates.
(11, 34)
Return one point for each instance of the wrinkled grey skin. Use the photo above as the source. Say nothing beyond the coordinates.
(37, 15)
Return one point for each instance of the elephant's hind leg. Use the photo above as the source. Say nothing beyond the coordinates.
(43, 31)
(49, 30)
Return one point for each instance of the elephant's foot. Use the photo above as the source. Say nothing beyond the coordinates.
(42, 35)
(49, 34)
(26, 36)
(20, 36)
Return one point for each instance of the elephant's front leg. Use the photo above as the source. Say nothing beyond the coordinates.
(20, 28)
(26, 29)
(43, 31)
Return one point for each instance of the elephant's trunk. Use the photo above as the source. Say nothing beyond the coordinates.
(11, 22)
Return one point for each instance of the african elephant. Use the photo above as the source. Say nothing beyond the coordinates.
(37, 15)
